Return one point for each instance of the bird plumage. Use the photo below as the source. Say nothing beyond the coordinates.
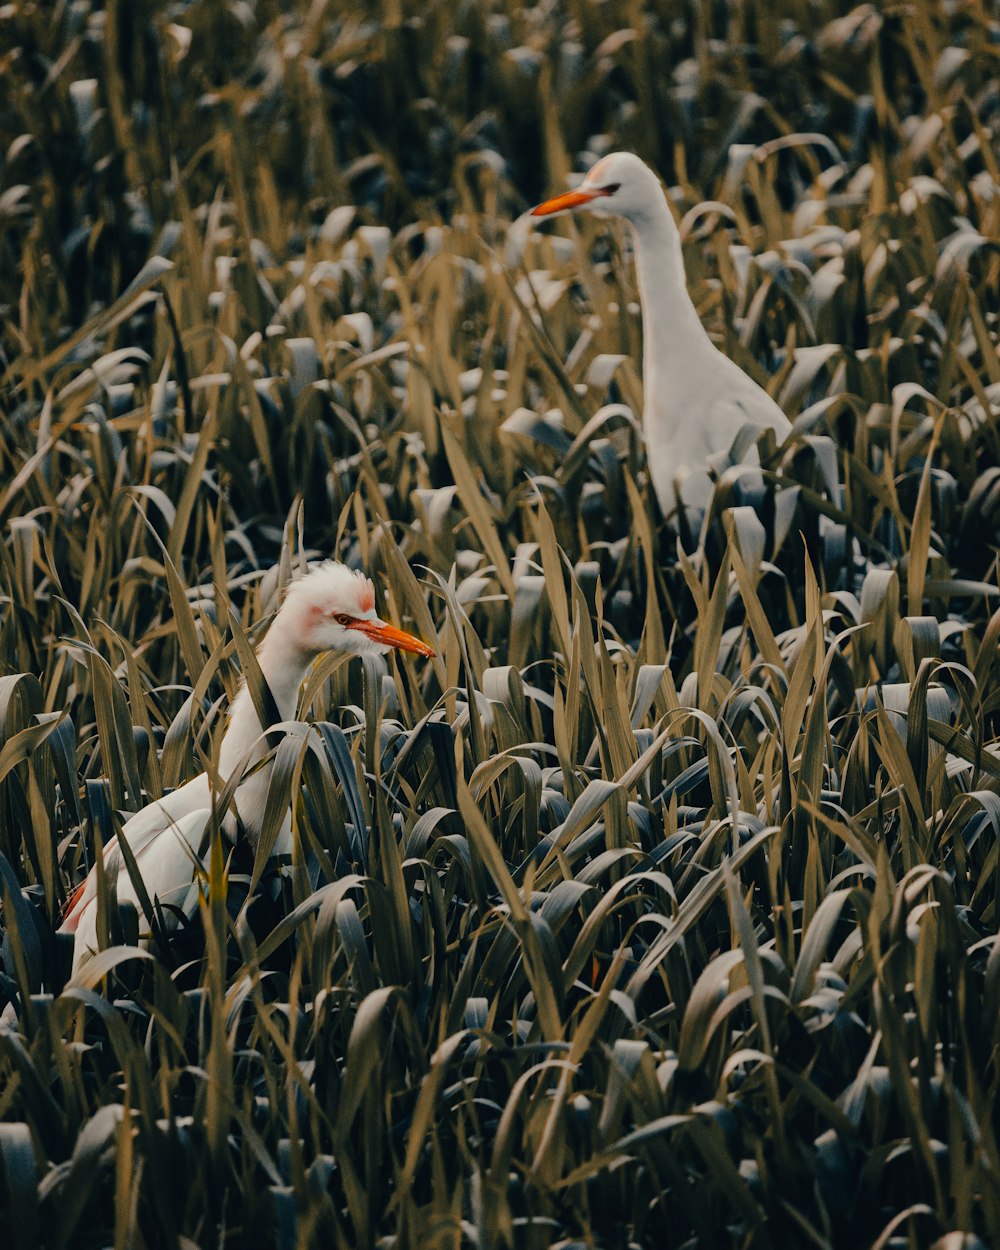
(696, 399)
(331, 608)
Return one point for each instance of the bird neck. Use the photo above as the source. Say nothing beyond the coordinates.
(283, 665)
(672, 333)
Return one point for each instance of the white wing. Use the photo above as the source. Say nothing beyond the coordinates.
(679, 456)
(167, 867)
(165, 839)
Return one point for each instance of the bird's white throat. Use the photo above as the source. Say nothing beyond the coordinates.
(675, 343)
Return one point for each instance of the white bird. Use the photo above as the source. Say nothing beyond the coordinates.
(331, 608)
(695, 398)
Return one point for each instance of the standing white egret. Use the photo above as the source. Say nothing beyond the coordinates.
(331, 608)
(695, 398)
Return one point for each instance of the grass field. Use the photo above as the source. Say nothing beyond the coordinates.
(661, 909)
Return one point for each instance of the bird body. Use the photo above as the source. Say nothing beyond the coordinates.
(165, 839)
(696, 399)
(331, 608)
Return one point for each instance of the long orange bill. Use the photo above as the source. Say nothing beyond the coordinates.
(569, 199)
(390, 636)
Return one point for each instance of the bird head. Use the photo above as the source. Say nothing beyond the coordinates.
(332, 608)
(619, 185)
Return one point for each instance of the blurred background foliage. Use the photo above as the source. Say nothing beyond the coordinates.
(661, 908)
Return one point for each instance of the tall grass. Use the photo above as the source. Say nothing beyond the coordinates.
(661, 908)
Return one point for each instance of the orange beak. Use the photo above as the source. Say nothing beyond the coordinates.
(390, 636)
(569, 199)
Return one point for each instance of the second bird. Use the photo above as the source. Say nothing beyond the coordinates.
(331, 608)
(695, 398)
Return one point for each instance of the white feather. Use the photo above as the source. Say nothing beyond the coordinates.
(168, 849)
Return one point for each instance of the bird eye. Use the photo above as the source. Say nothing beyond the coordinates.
(342, 618)
(611, 188)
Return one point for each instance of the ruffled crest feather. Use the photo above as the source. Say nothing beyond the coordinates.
(332, 584)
